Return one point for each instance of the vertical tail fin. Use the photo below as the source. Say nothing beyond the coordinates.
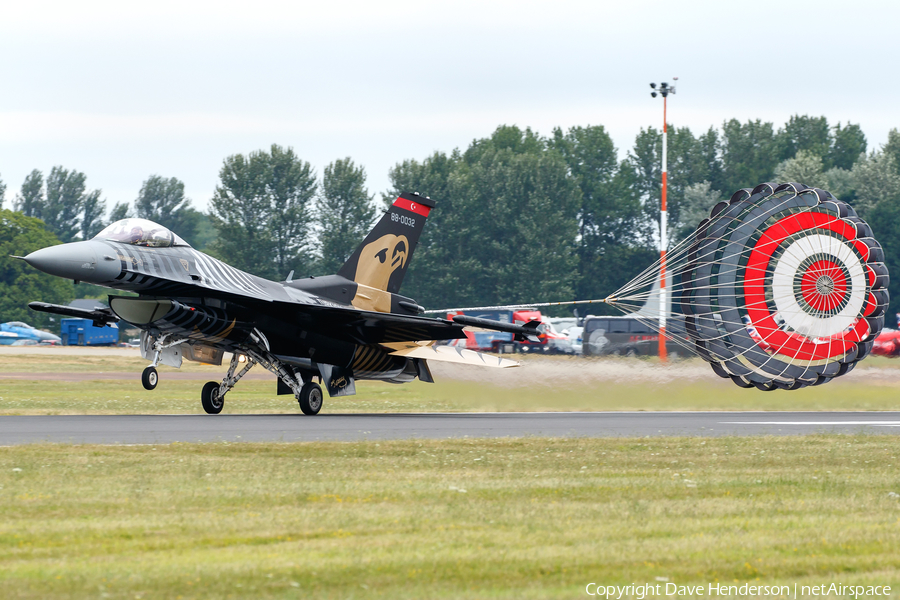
(381, 260)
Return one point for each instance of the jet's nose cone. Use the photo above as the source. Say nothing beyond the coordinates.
(43, 335)
(77, 260)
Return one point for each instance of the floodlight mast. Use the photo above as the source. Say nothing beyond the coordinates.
(664, 89)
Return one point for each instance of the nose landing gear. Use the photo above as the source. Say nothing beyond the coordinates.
(149, 378)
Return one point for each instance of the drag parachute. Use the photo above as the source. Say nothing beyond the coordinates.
(783, 286)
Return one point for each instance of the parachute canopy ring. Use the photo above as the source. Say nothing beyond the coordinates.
(784, 287)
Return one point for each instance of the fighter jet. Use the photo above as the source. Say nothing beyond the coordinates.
(333, 330)
(17, 332)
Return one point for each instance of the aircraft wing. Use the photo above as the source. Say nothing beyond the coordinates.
(371, 327)
(361, 326)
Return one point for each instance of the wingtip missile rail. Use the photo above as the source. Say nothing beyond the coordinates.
(528, 330)
(100, 317)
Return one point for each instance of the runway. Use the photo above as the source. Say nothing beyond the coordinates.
(149, 429)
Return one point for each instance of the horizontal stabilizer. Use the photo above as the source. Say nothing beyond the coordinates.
(101, 317)
(456, 355)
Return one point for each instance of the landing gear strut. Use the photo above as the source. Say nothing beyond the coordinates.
(307, 393)
(212, 397)
(212, 402)
(150, 376)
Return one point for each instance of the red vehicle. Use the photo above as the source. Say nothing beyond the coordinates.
(887, 343)
(549, 340)
(469, 342)
(481, 340)
(484, 341)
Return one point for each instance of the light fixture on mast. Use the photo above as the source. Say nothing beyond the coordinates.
(664, 90)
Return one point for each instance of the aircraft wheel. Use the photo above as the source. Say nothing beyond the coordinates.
(310, 398)
(150, 378)
(209, 397)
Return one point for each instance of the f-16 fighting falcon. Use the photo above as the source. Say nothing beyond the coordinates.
(333, 329)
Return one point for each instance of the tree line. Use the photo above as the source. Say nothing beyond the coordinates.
(520, 217)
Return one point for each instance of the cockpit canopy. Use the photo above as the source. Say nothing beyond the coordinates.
(140, 232)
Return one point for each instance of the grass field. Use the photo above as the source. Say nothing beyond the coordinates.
(503, 518)
(541, 383)
(487, 518)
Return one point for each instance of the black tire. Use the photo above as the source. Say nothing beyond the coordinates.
(209, 398)
(311, 398)
(149, 378)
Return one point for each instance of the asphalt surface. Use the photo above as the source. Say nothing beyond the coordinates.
(148, 429)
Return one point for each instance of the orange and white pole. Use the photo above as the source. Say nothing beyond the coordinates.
(663, 243)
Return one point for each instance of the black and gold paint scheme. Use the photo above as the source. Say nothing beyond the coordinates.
(379, 264)
(346, 324)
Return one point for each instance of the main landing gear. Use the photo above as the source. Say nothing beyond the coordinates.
(212, 402)
(308, 393)
(212, 397)
(310, 398)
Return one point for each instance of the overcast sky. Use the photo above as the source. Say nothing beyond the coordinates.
(123, 90)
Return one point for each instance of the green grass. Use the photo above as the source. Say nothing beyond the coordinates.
(84, 360)
(502, 518)
(183, 397)
(544, 383)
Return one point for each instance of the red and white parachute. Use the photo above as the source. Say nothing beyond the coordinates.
(783, 286)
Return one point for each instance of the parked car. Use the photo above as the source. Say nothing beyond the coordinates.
(887, 343)
(549, 340)
(628, 336)
(576, 342)
(558, 342)
(483, 340)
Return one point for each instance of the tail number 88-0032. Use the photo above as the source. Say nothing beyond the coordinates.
(404, 220)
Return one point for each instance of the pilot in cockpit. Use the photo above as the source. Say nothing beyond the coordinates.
(136, 236)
